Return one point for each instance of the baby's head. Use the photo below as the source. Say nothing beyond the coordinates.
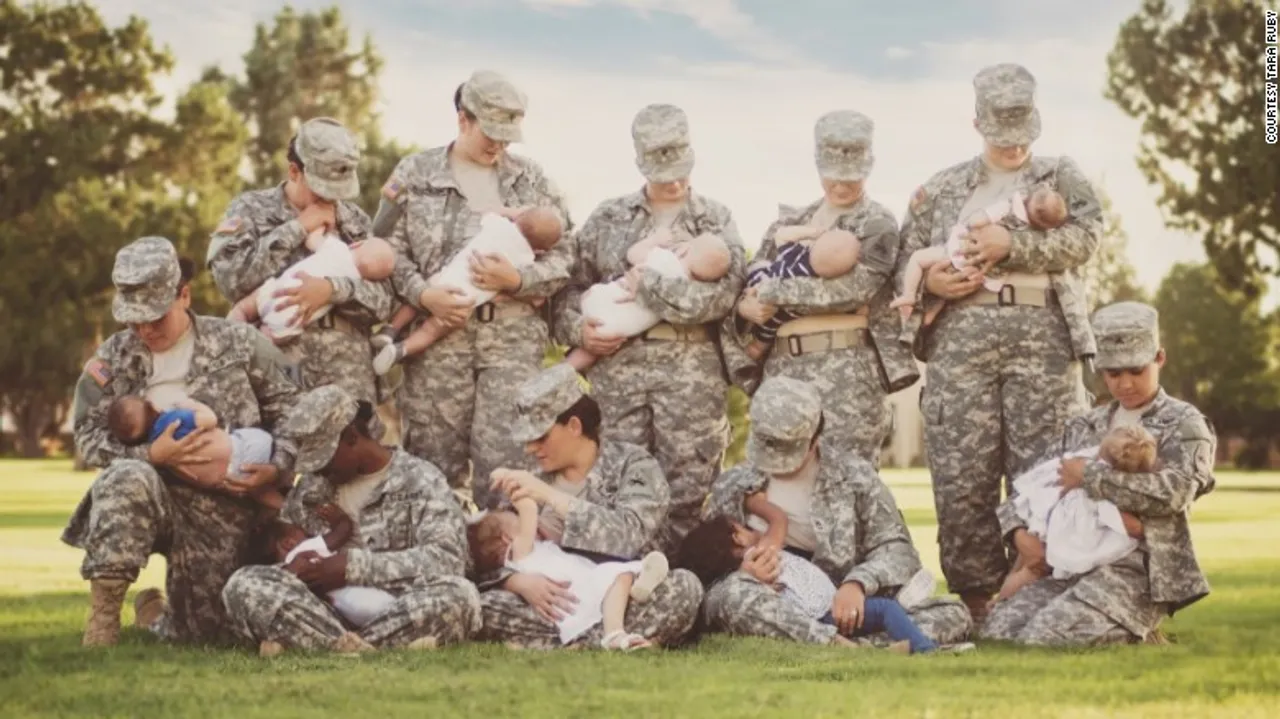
(489, 539)
(708, 258)
(1129, 449)
(1046, 209)
(279, 538)
(715, 548)
(541, 227)
(374, 258)
(834, 253)
(129, 419)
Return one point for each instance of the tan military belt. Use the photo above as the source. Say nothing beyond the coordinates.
(1010, 295)
(333, 321)
(491, 311)
(823, 323)
(666, 332)
(824, 341)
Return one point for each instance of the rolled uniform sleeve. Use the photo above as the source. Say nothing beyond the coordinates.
(392, 224)
(276, 393)
(1185, 473)
(241, 257)
(728, 494)
(439, 549)
(888, 557)
(551, 271)
(93, 396)
(568, 325)
(363, 301)
(622, 529)
(856, 288)
(690, 302)
(1066, 247)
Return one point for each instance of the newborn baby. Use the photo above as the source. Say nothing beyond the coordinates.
(519, 235)
(373, 259)
(1044, 209)
(614, 306)
(1079, 533)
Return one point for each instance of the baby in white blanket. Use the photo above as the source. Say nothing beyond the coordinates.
(510, 539)
(1044, 209)
(613, 305)
(372, 259)
(518, 235)
(1079, 533)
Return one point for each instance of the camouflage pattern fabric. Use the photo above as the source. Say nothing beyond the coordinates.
(410, 541)
(456, 397)
(665, 395)
(131, 511)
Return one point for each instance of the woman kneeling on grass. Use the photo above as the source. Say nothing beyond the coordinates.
(1126, 600)
(604, 500)
(840, 515)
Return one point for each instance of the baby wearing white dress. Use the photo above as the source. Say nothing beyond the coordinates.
(1079, 533)
(506, 538)
(614, 307)
(372, 259)
(1044, 209)
(357, 605)
(519, 235)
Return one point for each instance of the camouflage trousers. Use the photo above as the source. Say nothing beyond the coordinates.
(665, 619)
(130, 513)
(668, 397)
(458, 397)
(740, 604)
(335, 356)
(1000, 385)
(1110, 605)
(856, 419)
(268, 603)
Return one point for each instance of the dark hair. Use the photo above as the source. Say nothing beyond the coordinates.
(294, 158)
(264, 539)
(588, 413)
(120, 424)
(709, 550)
(364, 415)
(457, 103)
(484, 542)
(187, 269)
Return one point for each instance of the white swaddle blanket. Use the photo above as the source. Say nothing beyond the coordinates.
(629, 318)
(358, 605)
(588, 581)
(1080, 533)
(498, 236)
(332, 259)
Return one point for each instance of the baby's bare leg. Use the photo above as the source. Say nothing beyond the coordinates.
(580, 359)
(403, 317)
(920, 262)
(758, 349)
(246, 310)
(428, 334)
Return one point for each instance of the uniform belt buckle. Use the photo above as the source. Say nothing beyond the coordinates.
(486, 312)
(1012, 299)
(793, 344)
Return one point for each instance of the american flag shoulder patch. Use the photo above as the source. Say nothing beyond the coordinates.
(229, 225)
(392, 189)
(99, 371)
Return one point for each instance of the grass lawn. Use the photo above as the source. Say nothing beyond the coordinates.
(1224, 663)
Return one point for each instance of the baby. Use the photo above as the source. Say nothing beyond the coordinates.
(506, 538)
(133, 420)
(357, 605)
(520, 235)
(1044, 209)
(373, 259)
(717, 547)
(1079, 533)
(803, 251)
(705, 258)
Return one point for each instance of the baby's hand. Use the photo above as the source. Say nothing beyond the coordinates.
(332, 514)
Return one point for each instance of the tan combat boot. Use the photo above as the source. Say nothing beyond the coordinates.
(106, 597)
(148, 607)
(351, 643)
(979, 605)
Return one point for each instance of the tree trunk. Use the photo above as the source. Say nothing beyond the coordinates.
(31, 417)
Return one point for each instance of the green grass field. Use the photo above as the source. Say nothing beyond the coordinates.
(1224, 661)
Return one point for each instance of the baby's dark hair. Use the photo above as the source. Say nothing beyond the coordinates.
(709, 551)
(120, 421)
(484, 541)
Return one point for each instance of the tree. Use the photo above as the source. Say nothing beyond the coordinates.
(1109, 277)
(299, 68)
(1196, 84)
(1221, 352)
(76, 117)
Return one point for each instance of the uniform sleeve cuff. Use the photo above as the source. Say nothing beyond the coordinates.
(358, 561)
(344, 288)
(869, 585)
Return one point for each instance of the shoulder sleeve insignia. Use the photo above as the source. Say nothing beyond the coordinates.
(392, 189)
(99, 371)
(918, 198)
(229, 226)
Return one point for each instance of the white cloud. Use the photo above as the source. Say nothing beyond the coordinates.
(752, 127)
(896, 52)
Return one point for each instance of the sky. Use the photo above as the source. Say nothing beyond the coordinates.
(753, 77)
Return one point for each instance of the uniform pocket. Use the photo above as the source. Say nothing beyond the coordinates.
(931, 406)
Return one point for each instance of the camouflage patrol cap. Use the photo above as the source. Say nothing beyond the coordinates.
(842, 146)
(146, 275)
(1128, 335)
(315, 424)
(661, 137)
(1005, 103)
(330, 156)
(541, 399)
(784, 417)
(498, 106)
